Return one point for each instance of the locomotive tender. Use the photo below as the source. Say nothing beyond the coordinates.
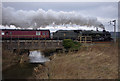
(28, 34)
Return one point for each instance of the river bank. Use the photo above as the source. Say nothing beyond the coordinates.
(98, 61)
(10, 58)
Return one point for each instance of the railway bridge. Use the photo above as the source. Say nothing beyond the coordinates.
(32, 44)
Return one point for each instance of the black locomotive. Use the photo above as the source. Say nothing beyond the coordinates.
(75, 34)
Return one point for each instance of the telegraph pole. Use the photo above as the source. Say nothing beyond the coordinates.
(114, 24)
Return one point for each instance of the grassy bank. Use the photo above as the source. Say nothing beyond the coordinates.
(15, 65)
(90, 62)
(96, 61)
(10, 58)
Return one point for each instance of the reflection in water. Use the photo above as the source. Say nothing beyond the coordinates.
(37, 57)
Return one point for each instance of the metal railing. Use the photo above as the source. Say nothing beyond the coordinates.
(85, 39)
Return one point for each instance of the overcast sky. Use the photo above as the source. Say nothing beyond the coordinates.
(103, 11)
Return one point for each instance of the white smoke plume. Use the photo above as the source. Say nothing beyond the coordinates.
(42, 18)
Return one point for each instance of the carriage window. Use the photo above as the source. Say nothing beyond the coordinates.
(46, 33)
(10, 33)
(6, 33)
(2, 33)
(38, 33)
(97, 35)
(43, 33)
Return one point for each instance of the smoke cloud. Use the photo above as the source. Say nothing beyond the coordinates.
(42, 18)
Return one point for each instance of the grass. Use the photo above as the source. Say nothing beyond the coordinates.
(10, 58)
(14, 67)
(98, 61)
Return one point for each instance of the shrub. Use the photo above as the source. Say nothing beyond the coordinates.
(70, 44)
(76, 46)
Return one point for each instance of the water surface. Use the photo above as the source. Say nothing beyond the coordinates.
(37, 57)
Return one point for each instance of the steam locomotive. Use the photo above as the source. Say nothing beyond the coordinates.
(74, 34)
(27, 34)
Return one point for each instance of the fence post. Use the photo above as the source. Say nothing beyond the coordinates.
(80, 39)
(85, 39)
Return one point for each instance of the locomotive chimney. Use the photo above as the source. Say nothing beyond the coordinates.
(104, 29)
(96, 29)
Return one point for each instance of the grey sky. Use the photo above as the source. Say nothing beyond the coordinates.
(104, 11)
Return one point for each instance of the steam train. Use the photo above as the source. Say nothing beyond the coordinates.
(75, 34)
(27, 34)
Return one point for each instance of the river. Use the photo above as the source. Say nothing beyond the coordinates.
(25, 70)
(37, 57)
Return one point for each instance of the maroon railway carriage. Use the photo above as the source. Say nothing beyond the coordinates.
(23, 34)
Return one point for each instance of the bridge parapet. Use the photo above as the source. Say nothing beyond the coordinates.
(32, 44)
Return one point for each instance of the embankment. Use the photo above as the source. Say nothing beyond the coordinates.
(99, 61)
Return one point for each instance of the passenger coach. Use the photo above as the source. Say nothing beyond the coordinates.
(23, 34)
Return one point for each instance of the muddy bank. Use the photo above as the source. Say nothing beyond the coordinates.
(19, 71)
(10, 57)
(17, 64)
